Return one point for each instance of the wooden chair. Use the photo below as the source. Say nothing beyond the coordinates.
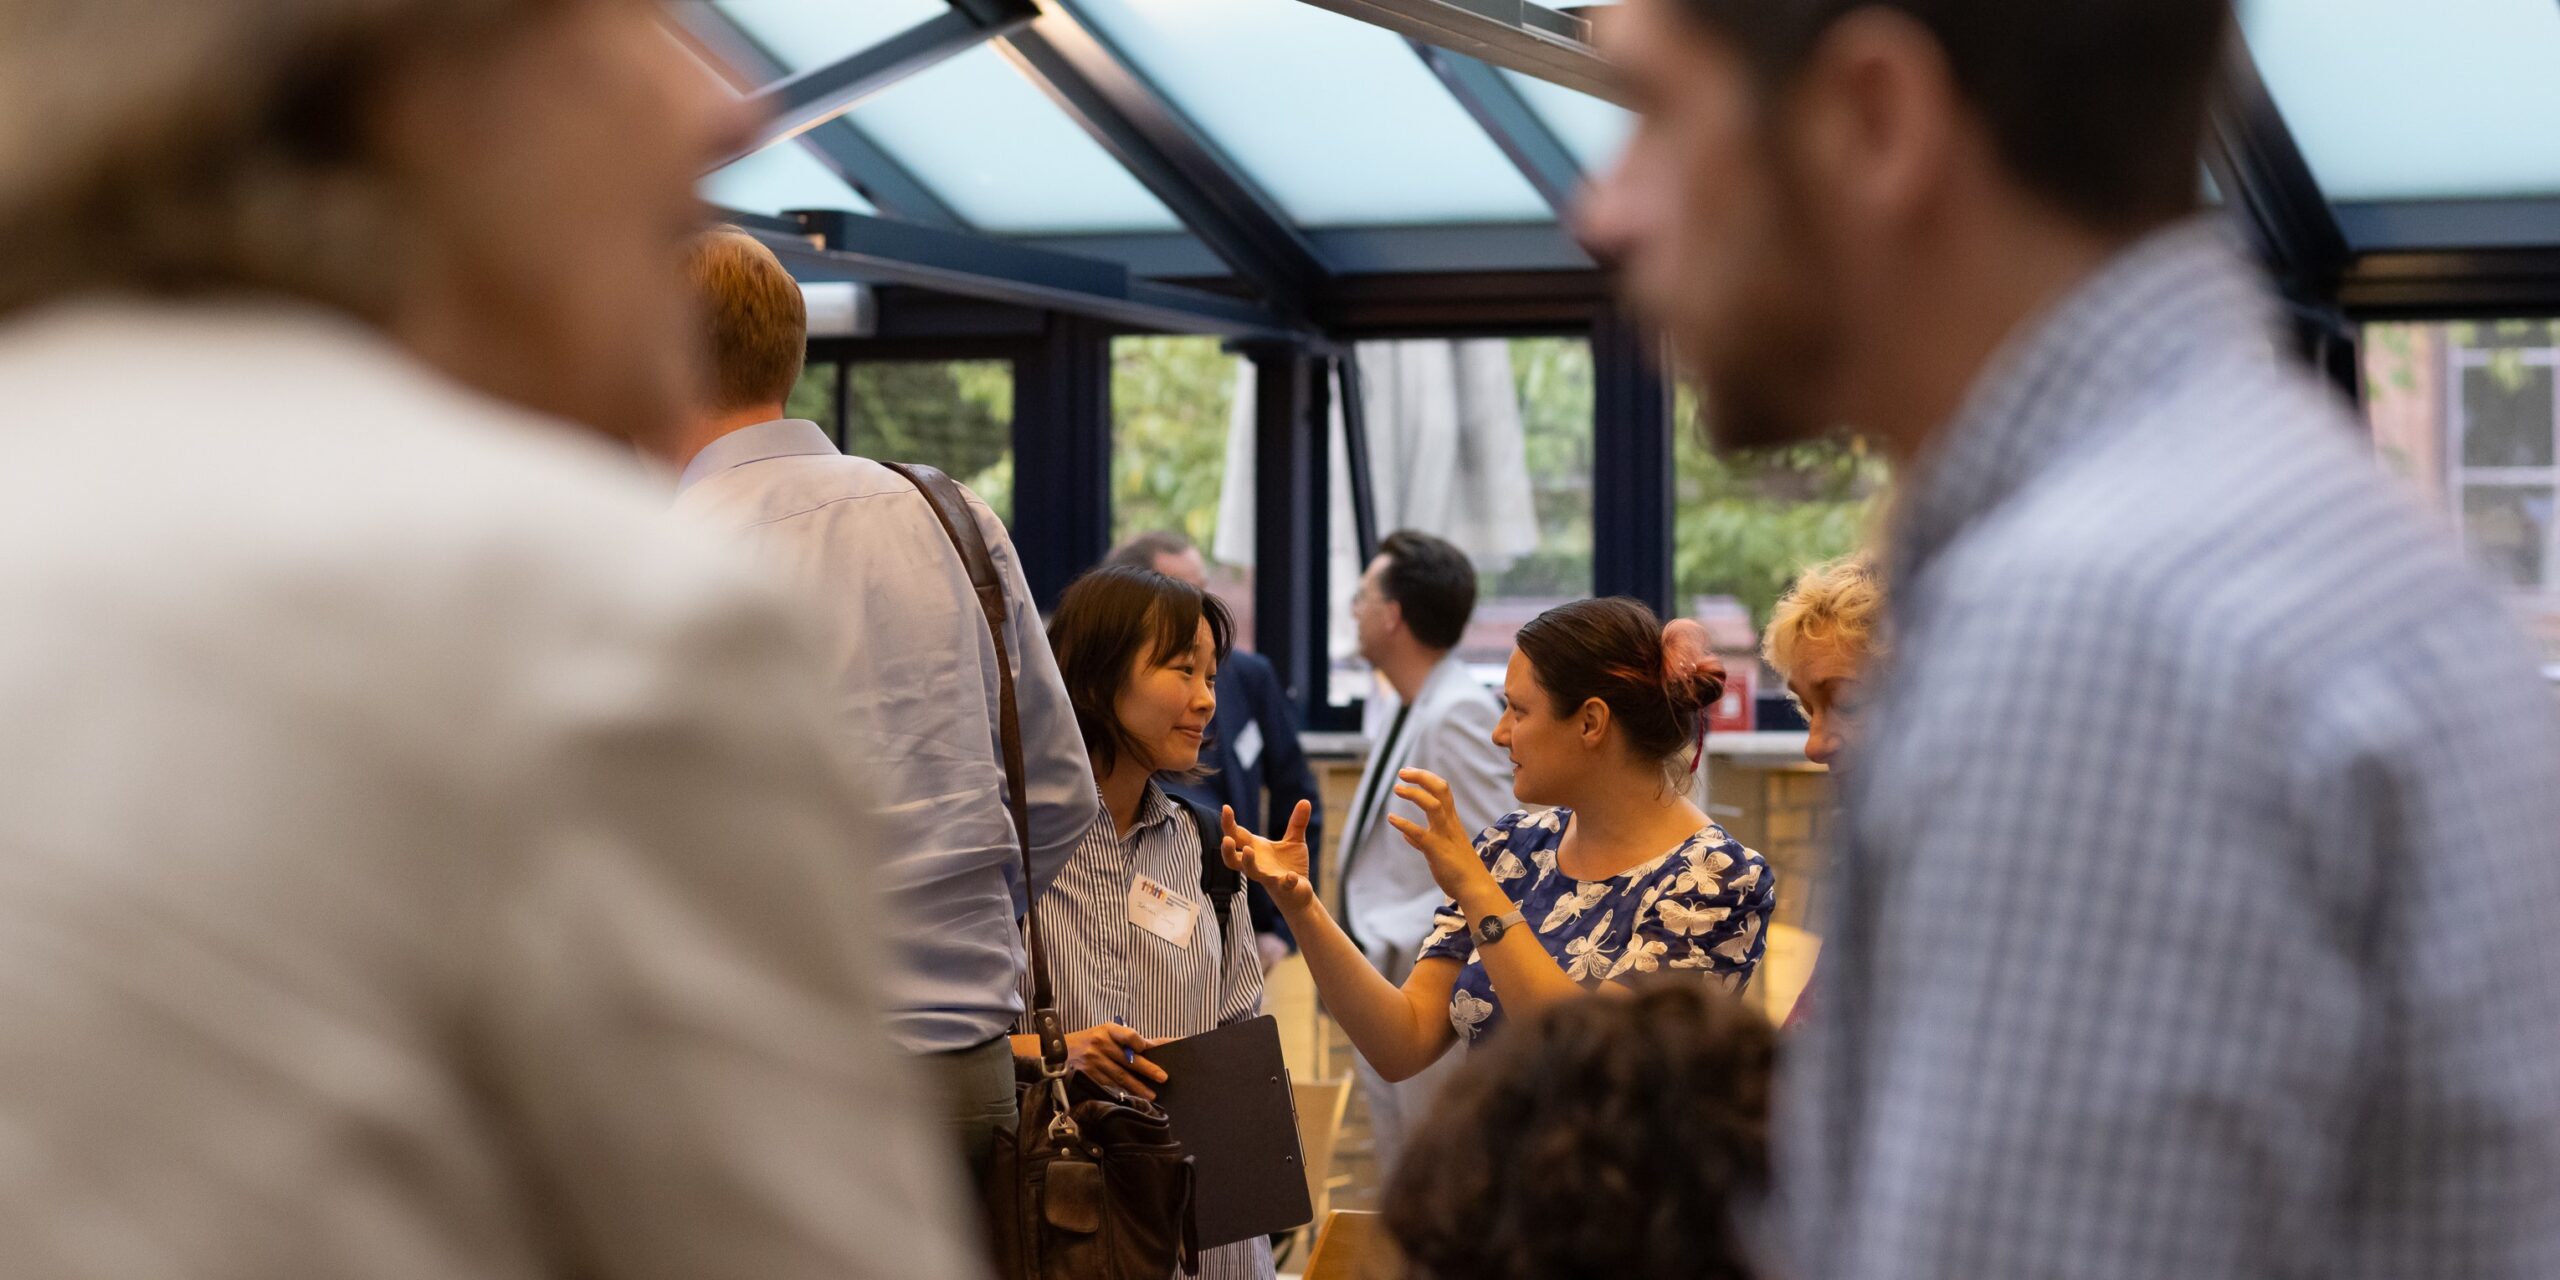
(1321, 1104)
(1787, 961)
(1354, 1246)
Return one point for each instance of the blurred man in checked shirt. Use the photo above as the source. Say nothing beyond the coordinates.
(2198, 909)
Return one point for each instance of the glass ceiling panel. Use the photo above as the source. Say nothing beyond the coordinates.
(801, 34)
(2412, 100)
(782, 176)
(1002, 155)
(1593, 130)
(1337, 119)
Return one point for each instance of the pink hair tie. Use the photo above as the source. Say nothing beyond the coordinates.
(1689, 660)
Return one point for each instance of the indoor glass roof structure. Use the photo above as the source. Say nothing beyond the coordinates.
(2428, 126)
(1265, 149)
(1342, 190)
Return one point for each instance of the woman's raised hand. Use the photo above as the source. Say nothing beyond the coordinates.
(1441, 837)
(1279, 866)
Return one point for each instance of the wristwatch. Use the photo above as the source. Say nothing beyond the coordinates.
(1490, 929)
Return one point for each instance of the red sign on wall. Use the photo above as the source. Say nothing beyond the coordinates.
(1738, 711)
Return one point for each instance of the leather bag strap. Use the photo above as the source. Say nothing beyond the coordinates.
(950, 505)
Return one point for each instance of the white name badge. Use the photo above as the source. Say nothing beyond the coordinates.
(1162, 912)
(1249, 746)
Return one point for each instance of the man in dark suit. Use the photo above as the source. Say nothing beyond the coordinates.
(1253, 740)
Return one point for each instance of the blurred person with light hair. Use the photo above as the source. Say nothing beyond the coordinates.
(420, 857)
(1823, 637)
(912, 681)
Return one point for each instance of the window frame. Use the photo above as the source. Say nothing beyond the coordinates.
(2460, 477)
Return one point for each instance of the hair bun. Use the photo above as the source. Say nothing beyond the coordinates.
(1689, 662)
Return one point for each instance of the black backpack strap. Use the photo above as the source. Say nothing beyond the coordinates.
(1219, 883)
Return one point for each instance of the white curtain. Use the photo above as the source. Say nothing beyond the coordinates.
(1446, 456)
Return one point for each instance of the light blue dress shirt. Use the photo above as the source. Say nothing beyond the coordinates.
(916, 692)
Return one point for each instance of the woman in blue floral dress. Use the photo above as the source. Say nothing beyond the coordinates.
(1610, 874)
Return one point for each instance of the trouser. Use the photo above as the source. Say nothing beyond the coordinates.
(976, 1087)
(1394, 1109)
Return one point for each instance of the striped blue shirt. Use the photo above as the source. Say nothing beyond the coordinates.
(1102, 965)
(2198, 905)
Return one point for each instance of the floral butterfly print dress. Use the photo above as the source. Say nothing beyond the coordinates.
(1699, 907)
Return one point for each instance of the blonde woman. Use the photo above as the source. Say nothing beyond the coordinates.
(1825, 636)
(1823, 639)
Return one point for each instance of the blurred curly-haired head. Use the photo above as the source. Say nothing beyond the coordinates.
(1838, 602)
(1607, 1137)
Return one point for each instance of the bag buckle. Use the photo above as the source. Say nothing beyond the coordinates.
(1062, 1125)
(1053, 1044)
(1053, 1073)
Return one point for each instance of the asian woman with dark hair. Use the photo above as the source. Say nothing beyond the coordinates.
(1139, 953)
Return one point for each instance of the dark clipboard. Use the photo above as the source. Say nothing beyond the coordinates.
(1227, 1095)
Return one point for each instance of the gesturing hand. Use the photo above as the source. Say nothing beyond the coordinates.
(1455, 865)
(1108, 1054)
(1279, 866)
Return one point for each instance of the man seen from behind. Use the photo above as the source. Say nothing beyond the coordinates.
(912, 689)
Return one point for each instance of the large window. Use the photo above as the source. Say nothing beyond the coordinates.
(1174, 421)
(1485, 442)
(1745, 524)
(954, 415)
(2469, 413)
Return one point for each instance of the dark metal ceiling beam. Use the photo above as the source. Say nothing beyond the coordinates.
(819, 94)
(852, 246)
(1104, 93)
(1499, 109)
(1531, 39)
(1353, 252)
(1466, 304)
(2399, 226)
(2260, 168)
(2453, 284)
(838, 144)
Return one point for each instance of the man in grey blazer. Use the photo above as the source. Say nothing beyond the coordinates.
(1411, 609)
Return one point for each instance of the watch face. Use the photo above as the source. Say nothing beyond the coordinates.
(1491, 929)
